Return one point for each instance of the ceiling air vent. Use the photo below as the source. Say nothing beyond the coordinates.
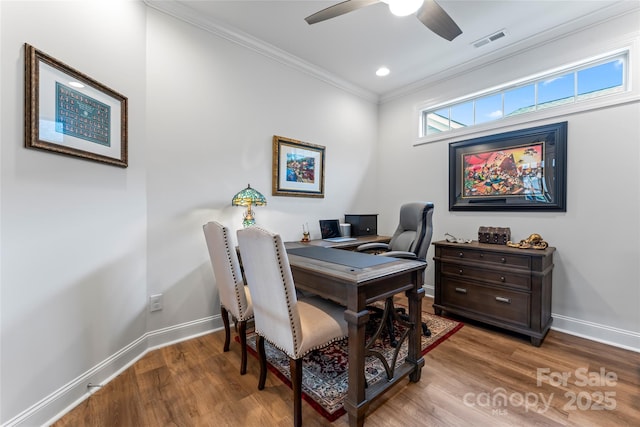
(493, 37)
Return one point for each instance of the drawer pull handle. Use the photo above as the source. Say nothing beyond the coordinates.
(503, 260)
(503, 299)
(461, 254)
(460, 271)
(502, 279)
(461, 290)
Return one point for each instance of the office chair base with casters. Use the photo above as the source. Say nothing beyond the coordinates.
(402, 313)
(388, 319)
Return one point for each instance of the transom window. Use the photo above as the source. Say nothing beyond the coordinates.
(572, 84)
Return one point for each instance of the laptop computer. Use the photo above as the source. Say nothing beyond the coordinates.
(330, 231)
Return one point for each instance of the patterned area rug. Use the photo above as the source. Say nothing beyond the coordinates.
(325, 374)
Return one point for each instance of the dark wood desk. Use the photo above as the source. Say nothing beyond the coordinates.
(351, 244)
(356, 288)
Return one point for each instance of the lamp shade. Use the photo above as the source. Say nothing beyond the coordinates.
(247, 198)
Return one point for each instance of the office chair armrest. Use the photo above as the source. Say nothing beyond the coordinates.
(365, 247)
(399, 254)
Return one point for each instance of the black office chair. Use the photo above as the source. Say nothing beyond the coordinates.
(411, 240)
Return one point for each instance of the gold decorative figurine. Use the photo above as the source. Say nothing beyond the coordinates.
(534, 241)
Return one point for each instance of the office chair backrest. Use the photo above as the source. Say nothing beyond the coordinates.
(268, 273)
(415, 229)
(226, 268)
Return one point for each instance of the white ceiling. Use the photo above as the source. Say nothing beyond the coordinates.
(351, 47)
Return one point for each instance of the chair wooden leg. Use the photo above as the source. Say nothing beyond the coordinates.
(227, 332)
(295, 369)
(242, 332)
(262, 357)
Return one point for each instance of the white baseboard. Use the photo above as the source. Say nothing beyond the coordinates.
(53, 407)
(616, 337)
(429, 290)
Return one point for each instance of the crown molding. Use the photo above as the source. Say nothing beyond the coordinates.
(593, 19)
(188, 15)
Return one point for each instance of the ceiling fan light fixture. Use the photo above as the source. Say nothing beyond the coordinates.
(382, 71)
(403, 7)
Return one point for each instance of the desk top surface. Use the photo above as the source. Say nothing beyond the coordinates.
(340, 256)
(347, 273)
(359, 240)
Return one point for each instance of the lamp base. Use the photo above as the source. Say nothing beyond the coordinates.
(248, 220)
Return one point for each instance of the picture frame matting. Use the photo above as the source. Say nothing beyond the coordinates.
(70, 113)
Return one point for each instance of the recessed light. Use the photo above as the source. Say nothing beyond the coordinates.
(382, 71)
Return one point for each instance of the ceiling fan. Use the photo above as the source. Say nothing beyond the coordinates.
(430, 13)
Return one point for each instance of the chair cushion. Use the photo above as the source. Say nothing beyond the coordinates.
(404, 241)
(322, 323)
(247, 314)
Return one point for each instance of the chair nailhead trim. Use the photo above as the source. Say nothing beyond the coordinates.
(287, 296)
(233, 274)
(233, 270)
(259, 332)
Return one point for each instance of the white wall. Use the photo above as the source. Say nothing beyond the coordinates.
(84, 244)
(213, 109)
(73, 232)
(596, 290)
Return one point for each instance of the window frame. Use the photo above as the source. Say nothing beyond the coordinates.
(578, 104)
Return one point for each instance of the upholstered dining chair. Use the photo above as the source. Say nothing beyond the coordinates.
(295, 326)
(410, 240)
(235, 298)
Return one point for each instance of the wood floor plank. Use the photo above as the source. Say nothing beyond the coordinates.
(479, 376)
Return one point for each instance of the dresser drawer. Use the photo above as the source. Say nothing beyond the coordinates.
(496, 277)
(500, 304)
(511, 260)
(496, 284)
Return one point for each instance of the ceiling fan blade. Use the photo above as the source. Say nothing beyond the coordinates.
(338, 9)
(437, 20)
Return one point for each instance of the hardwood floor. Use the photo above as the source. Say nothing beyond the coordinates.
(478, 377)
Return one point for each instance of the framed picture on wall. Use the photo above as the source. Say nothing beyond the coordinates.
(523, 170)
(298, 168)
(68, 112)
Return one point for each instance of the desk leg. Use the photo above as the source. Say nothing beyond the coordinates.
(414, 355)
(355, 403)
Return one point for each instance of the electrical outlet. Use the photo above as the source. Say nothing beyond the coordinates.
(155, 303)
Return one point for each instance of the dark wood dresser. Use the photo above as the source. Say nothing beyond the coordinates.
(495, 284)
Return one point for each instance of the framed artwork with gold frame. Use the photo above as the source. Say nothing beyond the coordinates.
(68, 112)
(298, 168)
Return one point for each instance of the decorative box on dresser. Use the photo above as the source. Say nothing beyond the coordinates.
(496, 284)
